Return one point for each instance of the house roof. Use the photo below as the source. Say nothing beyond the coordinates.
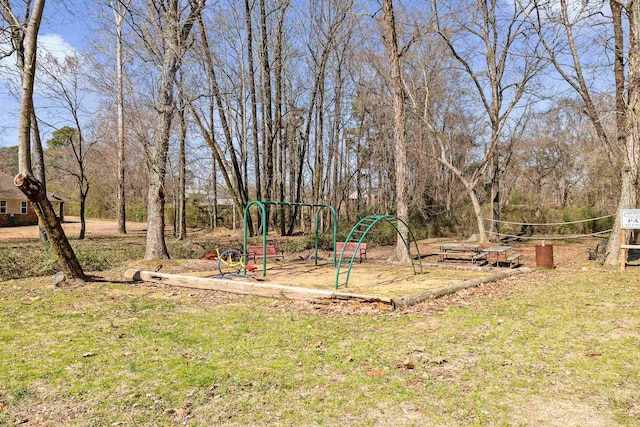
(8, 190)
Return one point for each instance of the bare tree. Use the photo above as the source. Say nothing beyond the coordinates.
(504, 75)
(559, 30)
(399, 119)
(118, 15)
(254, 102)
(227, 156)
(268, 105)
(64, 92)
(181, 211)
(68, 154)
(325, 34)
(163, 29)
(24, 38)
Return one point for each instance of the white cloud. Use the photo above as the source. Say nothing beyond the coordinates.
(55, 45)
(52, 44)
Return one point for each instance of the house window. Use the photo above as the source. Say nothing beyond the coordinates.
(3, 206)
(23, 207)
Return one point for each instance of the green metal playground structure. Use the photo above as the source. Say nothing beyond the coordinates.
(359, 232)
(261, 204)
(356, 235)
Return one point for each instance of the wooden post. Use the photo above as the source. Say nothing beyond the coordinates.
(623, 250)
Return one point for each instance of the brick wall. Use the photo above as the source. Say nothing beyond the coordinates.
(29, 218)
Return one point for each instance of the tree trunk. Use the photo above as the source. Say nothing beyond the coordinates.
(83, 222)
(254, 106)
(59, 242)
(120, 196)
(268, 138)
(214, 184)
(477, 211)
(337, 127)
(83, 185)
(319, 145)
(25, 41)
(278, 105)
(495, 195)
(175, 208)
(182, 202)
(174, 39)
(39, 170)
(399, 118)
(155, 246)
(630, 116)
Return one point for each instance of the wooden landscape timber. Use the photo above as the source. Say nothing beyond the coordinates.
(260, 289)
(440, 292)
(271, 290)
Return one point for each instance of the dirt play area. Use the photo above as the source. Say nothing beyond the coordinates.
(370, 277)
(374, 277)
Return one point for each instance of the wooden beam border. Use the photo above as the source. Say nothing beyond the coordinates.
(272, 290)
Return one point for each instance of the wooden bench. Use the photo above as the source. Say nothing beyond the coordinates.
(479, 257)
(258, 252)
(442, 255)
(514, 260)
(459, 256)
(350, 249)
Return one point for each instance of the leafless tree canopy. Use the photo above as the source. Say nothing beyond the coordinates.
(452, 115)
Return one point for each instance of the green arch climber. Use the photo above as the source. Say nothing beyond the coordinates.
(359, 232)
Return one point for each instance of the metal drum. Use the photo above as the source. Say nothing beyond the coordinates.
(544, 256)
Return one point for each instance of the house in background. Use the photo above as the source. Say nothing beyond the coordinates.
(15, 209)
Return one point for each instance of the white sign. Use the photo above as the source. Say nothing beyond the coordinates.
(630, 219)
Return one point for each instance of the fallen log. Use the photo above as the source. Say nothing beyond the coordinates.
(440, 292)
(261, 289)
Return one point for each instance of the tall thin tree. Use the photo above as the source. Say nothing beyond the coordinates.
(118, 8)
(399, 135)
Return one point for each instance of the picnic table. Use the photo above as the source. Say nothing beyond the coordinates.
(460, 252)
(500, 254)
(460, 247)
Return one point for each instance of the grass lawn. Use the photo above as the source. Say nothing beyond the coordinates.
(547, 348)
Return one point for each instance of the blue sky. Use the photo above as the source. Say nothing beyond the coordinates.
(62, 31)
